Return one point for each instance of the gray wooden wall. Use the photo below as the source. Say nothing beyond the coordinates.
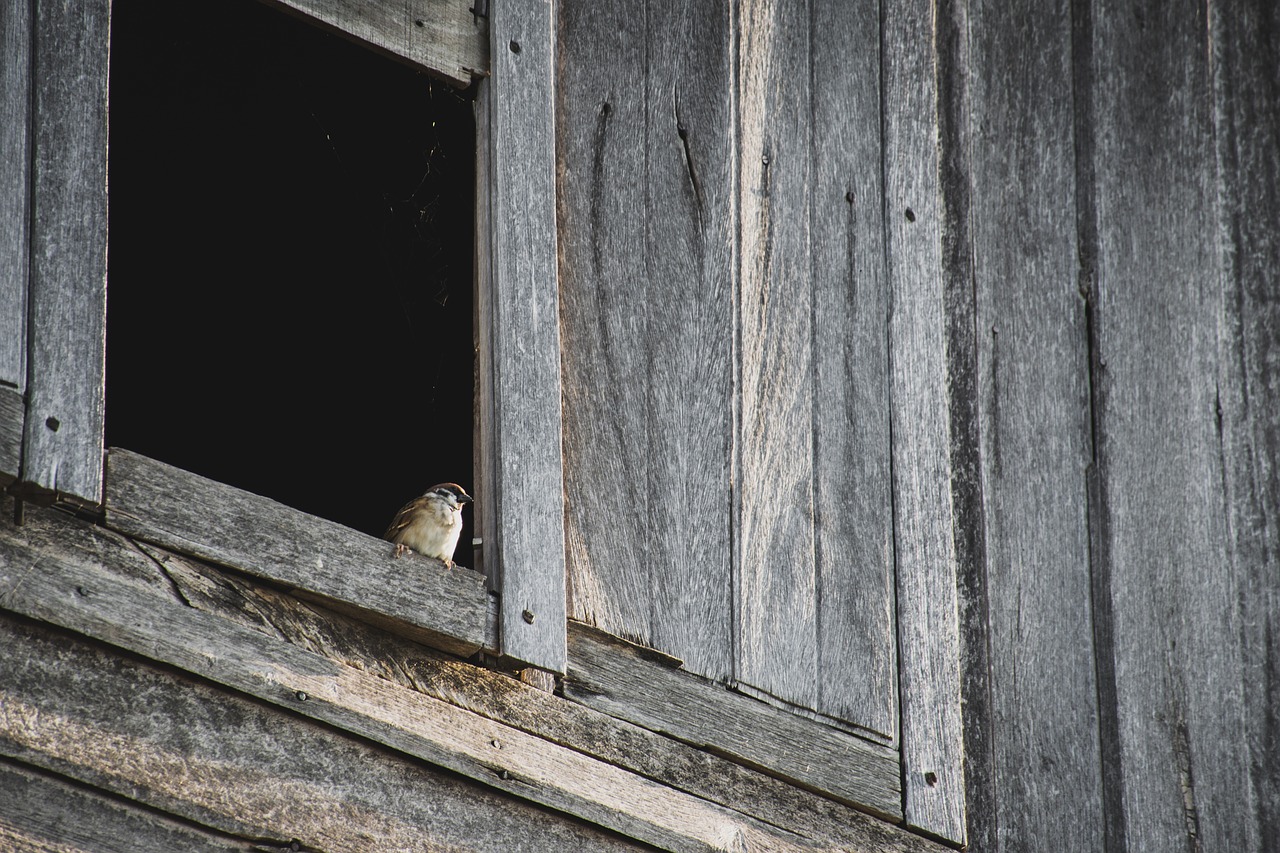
(750, 199)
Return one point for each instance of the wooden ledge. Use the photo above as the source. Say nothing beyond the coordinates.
(342, 568)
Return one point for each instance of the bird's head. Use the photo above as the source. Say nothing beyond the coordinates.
(451, 493)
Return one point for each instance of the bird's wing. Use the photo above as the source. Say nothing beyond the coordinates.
(402, 519)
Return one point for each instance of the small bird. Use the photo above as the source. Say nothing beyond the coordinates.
(430, 524)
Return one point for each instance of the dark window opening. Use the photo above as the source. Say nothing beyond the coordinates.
(290, 260)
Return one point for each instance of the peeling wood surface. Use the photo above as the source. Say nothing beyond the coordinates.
(66, 332)
(928, 620)
(526, 531)
(440, 35)
(92, 581)
(350, 571)
(1032, 356)
(240, 767)
(42, 813)
(614, 677)
(15, 187)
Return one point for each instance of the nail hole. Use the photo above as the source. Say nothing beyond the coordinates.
(606, 108)
(849, 196)
(931, 778)
(302, 696)
(52, 423)
(911, 215)
(765, 160)
(527, 616)
(419, 24)
(515, 46)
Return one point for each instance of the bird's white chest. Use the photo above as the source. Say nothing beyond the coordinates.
(434, 532)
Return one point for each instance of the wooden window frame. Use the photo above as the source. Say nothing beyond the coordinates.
(53, 319)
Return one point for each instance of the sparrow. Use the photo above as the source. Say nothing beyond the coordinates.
(430, 524)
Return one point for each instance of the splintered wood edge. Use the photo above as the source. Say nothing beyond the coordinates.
(320, 559)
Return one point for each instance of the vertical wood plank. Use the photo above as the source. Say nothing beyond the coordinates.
(646, 210)
(1180, 769)
(853, 519)
(1247, 135)
(15, 165)
(62, 443)
(777, 626)
(1033, 395)
(689, 262)
(529, 508)
(928, 622)
(602, 206)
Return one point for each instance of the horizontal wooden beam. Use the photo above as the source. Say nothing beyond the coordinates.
(255, 777)
(94, 582)
(347, 570)
(612, 676)
(442, 36)
(44, 812)
(508, 701)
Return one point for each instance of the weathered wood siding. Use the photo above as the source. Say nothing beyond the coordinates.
(1118, 165)
(725, 343)
(1045, 318)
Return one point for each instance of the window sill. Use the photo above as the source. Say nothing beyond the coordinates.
(343, 569)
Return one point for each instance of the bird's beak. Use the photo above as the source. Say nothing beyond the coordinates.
(465, 499)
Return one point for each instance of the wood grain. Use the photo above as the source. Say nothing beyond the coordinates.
(601, 139)
(12, 412)
(15, 188)
(510, 702)
(689, 243)
(240, 767)
(1033, 396)
(604, 673)
(853, 506)
(776, 637)
(91, 581)
(1178, 769)
(45, 813)
(928, 626)
(440, 35)
(527, 533)
(350, 571)
(1247, 137)
(646, 210)
(66, 331)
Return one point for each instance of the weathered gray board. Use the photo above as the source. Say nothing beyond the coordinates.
(928, 620)
(415, 595)
(245, 770)
(441, 35)
(657, 338)
(646, 218)
(526, 530)
(45, 812)
(15, 175)
(1033, 396)
(62, 444)
(1170, 583)
(1247, 135)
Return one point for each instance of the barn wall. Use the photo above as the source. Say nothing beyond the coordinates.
(1106, 206)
